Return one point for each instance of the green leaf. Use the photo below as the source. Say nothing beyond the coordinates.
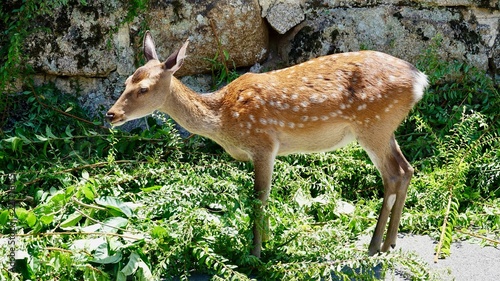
(85, 175)
(49, 133)
(17, 143)
(47, 219)
(4, 217)
(114, 204)
(112, 224)
(41, 138)
(31, 219)
(21, 213)
(101, 255)
(87, 191)
(159, 232)
(132, 265)
(121, 276)
(72, 220)
(144, 273)
(68, 131)
(151, 188)
(110, 259)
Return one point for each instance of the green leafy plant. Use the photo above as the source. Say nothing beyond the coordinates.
(221, 74)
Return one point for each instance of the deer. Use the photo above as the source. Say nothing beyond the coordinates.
(316, 106)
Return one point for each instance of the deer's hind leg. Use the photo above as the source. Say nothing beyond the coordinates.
(396, 174)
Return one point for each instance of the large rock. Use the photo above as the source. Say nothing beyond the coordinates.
(77, 41)
(91, 41)
(283, 15)
(235, 24)
(468, 33)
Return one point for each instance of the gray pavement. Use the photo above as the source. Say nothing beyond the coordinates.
(467, 262)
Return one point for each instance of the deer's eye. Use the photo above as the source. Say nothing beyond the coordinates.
(143, 90)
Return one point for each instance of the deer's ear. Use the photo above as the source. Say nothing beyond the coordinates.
(149, 47)
(175, 60)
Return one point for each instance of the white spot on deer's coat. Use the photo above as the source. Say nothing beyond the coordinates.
(263, 121)
(300, 125)
(390, 201)
(294, 96)
(362, 107)
(342, 106)
(281, 123)
(333, 114)
(305, 80)
(259, 99)
(314, 118)
(236, 114)
(252, 118)
(304, 118)
(304, 104)
(291, 125)
(296, 108)
(315, 98)
(272, 121)
(324, 117)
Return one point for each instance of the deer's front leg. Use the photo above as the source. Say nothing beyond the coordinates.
(263, 166)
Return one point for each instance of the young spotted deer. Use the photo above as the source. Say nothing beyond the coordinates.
(316, 106)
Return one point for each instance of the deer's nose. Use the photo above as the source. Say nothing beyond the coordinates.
(110, 116)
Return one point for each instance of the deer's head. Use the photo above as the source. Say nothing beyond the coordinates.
(146, 90)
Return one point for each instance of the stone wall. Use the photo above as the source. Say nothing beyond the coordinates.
(92, 48)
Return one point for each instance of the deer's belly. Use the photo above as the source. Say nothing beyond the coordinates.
(320, 141)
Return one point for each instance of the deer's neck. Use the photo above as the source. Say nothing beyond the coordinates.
(196, 113)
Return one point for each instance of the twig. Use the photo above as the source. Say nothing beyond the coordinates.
(58, 249)
(443, 229)
(75, 233)
(87, 206)
(479, 236)
(219, 46)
